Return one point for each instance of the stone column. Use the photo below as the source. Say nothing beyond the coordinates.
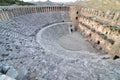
(3, 16)
(0, 15)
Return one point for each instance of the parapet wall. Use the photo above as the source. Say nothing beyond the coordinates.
(100, 26)
(8, 13)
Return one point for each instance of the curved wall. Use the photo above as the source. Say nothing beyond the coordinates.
(8, 13)
(30, 24)
(49, 36)
(18, 33)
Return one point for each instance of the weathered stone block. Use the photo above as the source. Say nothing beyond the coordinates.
(4, 77)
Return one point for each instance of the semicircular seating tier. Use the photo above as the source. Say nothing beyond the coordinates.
(30, 42)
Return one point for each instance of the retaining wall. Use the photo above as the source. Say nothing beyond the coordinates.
(102, 27)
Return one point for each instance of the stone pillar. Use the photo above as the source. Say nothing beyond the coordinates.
(0, 15)
(11, 12)
(7, 16)
(65, 9)
(34, 9)
(49, 8)
(3, 16)
(40, 9)
(37, 8)
(55, 8)
(8, 13)
(19, 13)
(15, 12)
(30, 10)
(45, 9)
(25, 11)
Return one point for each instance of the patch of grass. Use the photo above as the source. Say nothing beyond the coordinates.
(4, 4)
(23, 3)
(16, 2)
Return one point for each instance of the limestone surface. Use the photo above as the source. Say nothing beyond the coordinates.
(33, 45)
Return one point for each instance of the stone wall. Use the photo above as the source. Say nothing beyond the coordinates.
(8, 13)
(100, 26)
